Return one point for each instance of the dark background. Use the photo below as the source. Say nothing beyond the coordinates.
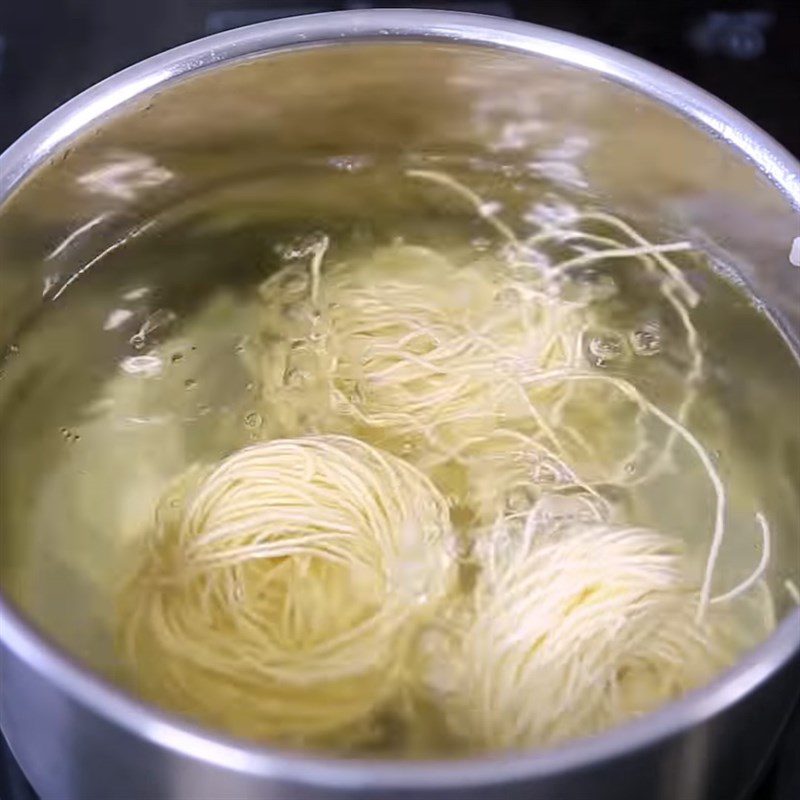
(747, 53)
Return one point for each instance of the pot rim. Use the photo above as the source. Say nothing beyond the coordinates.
(176, 734)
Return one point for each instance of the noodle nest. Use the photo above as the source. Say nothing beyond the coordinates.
(474, 367)
(428, 359)
(573, 627)
(281, 587)
(456, 533)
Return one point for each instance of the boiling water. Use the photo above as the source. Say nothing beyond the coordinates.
(136, 370)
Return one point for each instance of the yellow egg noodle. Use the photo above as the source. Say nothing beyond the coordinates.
(282, 586)
(429, 515)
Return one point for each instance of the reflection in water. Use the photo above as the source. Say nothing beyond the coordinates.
(110, 249)
(125, 176)
(68, 240)
(116, 318)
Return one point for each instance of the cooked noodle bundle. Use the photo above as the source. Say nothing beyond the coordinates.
(575, 625)
(281, 587)
(468, 369)
(478, 373)
(425, 358)
(407, 344)
(307, 589)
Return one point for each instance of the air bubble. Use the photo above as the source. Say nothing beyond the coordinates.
(294, 377)
(646, 341)
(69, 435)
(252, 419)
(300, 247)
(157, 320)
(603, 348)
(145, 366)
(353, 392)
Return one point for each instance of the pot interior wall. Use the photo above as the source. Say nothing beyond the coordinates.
(187, 190)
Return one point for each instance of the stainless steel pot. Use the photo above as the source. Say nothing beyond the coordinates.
(377, 84)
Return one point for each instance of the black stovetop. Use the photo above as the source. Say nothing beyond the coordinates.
(747, 53)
